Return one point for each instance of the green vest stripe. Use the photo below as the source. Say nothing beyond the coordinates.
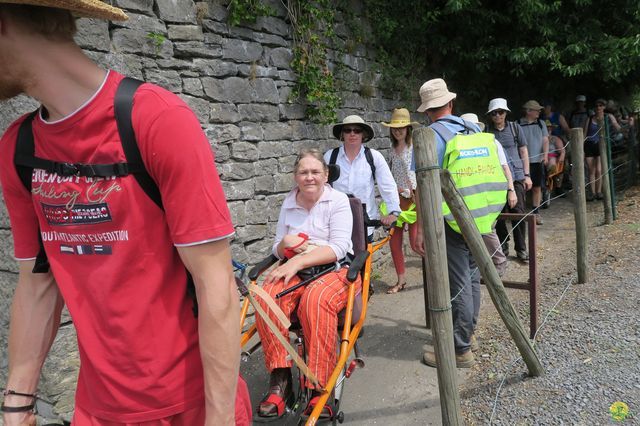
(483, 187)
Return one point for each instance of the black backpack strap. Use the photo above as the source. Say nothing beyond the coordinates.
(514, 132)
(25, 147)
(123, 106)
(334, 156)
(25, 160)
(369, 156)
(332, 160)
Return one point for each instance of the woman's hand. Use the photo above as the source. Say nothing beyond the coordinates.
(285, 271)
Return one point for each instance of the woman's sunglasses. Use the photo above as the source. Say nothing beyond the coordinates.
(356, 130)
(497, 112)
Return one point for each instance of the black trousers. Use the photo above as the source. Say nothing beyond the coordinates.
(520, 231)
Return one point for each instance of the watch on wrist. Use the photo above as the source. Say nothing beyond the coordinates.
(510, 190)
(527, 175)
(395, 213)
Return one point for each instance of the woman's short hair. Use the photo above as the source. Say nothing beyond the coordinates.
(310, 152)
(58, 24)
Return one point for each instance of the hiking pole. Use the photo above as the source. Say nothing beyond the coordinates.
(309, 280)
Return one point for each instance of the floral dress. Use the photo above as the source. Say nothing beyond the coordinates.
(405, 178)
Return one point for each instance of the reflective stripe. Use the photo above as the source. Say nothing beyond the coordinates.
(480, 212)
(483, 187)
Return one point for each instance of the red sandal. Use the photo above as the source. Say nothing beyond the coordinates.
(325, 414)
(274, 405)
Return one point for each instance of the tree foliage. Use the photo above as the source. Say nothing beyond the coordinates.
(517, 49)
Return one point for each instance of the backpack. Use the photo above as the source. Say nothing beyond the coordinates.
(25, 161)
(367, 155)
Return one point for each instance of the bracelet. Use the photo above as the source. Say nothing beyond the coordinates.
(527, 175)
(509, 189)
(19, 409)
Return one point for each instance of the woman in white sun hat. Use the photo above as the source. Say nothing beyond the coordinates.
(361, 168)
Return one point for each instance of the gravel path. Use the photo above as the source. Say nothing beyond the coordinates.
(590, 342)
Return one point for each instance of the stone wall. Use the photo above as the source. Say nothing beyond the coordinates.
(238, 81)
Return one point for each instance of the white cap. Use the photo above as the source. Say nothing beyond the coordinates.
(498, 103)
(581, 98)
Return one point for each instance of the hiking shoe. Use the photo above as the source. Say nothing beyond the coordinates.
(522, 255)
(475, 346)
(505, 250)
(465, 360)
(539, 220)
(590, 196)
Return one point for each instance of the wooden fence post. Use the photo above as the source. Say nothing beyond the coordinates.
(494, 284)
(439, 296)
(606, 184)
(579, 203)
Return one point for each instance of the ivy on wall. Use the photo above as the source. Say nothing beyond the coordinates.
(312, 26)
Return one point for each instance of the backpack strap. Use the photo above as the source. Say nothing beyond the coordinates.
(123, 107)
(25, 160)
(514, 132)
(369, 156)
(25, 147)
(333, 158)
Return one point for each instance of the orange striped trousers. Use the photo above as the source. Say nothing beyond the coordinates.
(318, 305)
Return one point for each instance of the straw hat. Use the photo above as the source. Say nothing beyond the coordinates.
(400, 117)
(434, 94)
(85, 8)
(354, 119)
(473, 118)
(534, 105)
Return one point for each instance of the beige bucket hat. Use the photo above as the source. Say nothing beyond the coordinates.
(400, 117)
(534, 105)
(84, 8)
(434, 94)
(474, 119)
(354, 119)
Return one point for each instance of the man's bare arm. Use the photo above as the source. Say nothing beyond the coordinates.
(218, 325)
(35, 317)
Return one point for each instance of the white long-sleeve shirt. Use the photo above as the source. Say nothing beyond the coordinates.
(356, 178)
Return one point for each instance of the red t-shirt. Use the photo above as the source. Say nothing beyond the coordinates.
(111, 248)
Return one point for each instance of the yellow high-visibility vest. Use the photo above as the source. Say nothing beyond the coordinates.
(472, 160)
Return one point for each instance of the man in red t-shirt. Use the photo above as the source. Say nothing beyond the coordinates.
(117, 259)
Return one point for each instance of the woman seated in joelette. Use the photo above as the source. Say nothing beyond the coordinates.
(314, 228)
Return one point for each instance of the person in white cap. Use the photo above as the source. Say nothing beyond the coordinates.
(514, 141)
(437, 104)
(89, 236)
(361, 168)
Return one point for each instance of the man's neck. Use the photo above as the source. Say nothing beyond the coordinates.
(63, 79)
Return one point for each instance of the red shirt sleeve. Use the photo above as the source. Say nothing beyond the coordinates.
(24, 222)
(179, 158)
